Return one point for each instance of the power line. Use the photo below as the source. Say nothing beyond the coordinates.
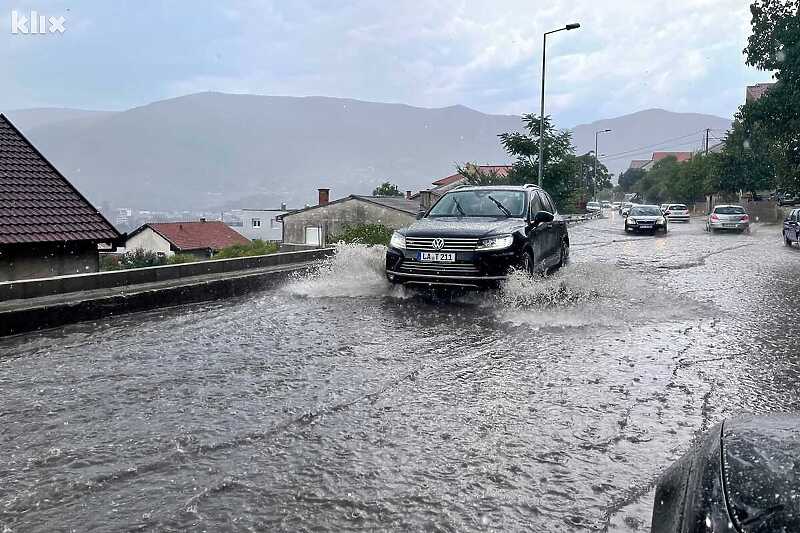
(693, 142)
(650, 146)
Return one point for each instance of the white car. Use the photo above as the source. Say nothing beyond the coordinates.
(728, 217)
(677, 212)
(626, 208)
(594, 206)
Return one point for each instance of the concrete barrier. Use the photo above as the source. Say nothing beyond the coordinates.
(35, 288)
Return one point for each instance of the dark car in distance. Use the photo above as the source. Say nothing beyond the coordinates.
(647, 218)
(791, 228)
(741, 478)
(473, 237)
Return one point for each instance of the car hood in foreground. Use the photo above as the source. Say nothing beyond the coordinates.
(463, 227)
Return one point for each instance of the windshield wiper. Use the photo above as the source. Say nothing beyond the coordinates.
(458, 206)
(503, 208)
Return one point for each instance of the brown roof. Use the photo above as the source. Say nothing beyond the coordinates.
(754, 92)
(37, 203)
(186, 236)
(639, 163)
(501, 170)
(680, 156)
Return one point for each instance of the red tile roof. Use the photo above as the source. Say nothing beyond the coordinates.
(638, 163)
(754, 92)
(186, 236)
(37, 203)
(501, 170)
(680, 156)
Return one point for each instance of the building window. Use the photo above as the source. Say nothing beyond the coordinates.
(256, 222)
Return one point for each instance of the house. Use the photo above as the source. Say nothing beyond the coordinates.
(442, 185)
(638, 163)
(202, 239)
(658, 156)
(264, 224)
(754, 92)
(315, 225)
(47, 227)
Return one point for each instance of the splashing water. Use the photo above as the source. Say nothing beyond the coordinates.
(354, 270)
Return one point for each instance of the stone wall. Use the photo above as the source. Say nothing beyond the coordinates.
(334, 217)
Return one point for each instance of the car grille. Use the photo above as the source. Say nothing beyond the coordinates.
(448, 269)
(451, 244)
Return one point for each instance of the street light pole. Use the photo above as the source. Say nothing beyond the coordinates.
(572, 26)
(596, 155)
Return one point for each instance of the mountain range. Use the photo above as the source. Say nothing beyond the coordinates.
(214, 150)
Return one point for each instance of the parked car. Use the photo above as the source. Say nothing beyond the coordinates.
(664, 207)
(791, 228)
(677, 212)
(645, 218)
(473, 236)
(741, 477)
(594, 206)
(788, 199)
(625, 208)
(616, 205)
(606, 205)
(728, 217)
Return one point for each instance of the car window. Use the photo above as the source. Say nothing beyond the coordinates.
(536, 204)
(480, 203)
(677, 207)
(547, 203)
(729, 210)
(645, 211)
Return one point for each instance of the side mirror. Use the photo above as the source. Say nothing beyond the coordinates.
(420, 215)
(542, 217)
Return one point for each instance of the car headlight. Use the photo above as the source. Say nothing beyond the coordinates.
(398, 240)
(495, 243)
(660, 220)
(631, 220)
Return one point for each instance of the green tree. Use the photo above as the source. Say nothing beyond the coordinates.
(561, 168)
(474, 175)
(369, 234)
(386, 189)
(255, 247)
(774, 45)
(628, 178)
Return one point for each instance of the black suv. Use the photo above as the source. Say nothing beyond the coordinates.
(473, 235)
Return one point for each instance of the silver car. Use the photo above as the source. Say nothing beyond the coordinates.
(729, 218)
(677, 212)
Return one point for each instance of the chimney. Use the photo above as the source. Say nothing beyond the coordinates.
(283, 206)
(408, 195)
(324, 196)
(202, 219)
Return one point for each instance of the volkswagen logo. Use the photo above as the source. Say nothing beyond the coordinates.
(437, 244)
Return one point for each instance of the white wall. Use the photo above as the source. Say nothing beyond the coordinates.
(148, 240)
(270, 230)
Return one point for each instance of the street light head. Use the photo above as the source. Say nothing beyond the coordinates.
(573, 26)
(606, 131)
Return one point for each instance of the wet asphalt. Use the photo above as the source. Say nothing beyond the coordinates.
(339, 403)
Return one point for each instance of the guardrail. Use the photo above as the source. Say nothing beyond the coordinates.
(34, 288)
(582, 217)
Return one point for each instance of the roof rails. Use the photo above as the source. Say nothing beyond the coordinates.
(531, 186)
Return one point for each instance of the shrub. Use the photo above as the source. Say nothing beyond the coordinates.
(179, 259)
(140, 258)
(369, 234)
(256, 247)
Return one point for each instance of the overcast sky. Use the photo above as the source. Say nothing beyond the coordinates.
(681, 55)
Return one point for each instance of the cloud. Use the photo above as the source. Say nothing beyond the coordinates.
(629, 54)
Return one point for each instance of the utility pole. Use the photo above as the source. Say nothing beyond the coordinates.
(572, 26)
(708, 130)
(596, 155)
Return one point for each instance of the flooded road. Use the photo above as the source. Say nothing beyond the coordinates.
(339, 403)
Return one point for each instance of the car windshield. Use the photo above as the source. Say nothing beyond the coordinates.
(645, 211)
(730, 210)
(480, 203)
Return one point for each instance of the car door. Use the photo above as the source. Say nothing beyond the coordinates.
(538, 234)
(558, 228)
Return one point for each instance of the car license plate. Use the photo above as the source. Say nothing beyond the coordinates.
(646, 226)
(436, 257)
(729, 225)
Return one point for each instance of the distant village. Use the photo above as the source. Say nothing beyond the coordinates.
(48, 228)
